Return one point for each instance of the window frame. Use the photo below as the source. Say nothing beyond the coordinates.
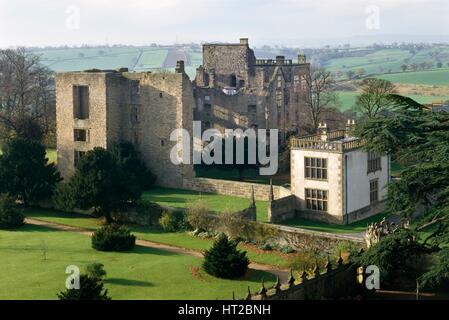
(374, 162)
(373, 191)
(315, 170)
(316, 199)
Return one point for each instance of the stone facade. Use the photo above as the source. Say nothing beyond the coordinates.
(142, 108)
(233, 89)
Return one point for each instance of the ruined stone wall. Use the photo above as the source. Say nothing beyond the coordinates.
(142, 108)
(226, 60)
(65, 122)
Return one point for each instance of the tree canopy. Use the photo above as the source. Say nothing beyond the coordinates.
(101, 182)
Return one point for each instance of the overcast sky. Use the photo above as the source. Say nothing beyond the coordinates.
(289, 22)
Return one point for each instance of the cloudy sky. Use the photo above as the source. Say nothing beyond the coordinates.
(290, 22)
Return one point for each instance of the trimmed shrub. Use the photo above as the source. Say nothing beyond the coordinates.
(224, 260)
(11, 216)
(198, 216)
(172, 221)
(113, 238)
(96, 270)
(90, 289)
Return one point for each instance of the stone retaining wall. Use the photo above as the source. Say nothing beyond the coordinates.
(234, 188)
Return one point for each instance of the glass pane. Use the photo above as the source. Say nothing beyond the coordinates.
(313, 173)
(325, 195)
(318, 173)
(324, 205)
(320, 205)
(314, 206)
(307, 193)
(309, 204)
(324, 173)
(313, 162)
(318, 163)
(324, 163)
(307, 162)
(314, 194)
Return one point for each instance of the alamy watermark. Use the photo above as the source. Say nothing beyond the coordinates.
(208, 147)
(73, 280)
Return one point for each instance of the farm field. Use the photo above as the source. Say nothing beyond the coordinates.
(438, 77)
(348, 99)
(34, 260)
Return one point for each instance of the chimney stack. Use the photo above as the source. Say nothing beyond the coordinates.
(280, 60)
(302, 58)
(244, 41)
(322, 131)
(180, 66)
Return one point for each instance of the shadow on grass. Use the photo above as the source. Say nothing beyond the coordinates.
(128, 282)
(145, 250)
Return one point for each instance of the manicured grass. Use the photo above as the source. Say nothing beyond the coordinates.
(359, 226)
(179, 198)
(177, 239)
(34, 260)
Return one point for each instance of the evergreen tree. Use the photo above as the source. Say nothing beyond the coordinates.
(418, 140)
(100, 182)
(25, 172)
(91, 288)
(224, 260)
(130, 161)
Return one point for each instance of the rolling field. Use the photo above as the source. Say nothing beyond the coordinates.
(348, 99)
(439, 77)
(34, 260)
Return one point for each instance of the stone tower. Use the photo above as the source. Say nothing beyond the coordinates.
(97, 108)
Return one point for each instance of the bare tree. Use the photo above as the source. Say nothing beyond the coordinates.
(320, 95)
(374, 98)
(27, 103)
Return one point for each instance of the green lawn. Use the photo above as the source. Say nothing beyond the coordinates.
(179, 198)
(359, 226)
(178, 239)
(34, 260)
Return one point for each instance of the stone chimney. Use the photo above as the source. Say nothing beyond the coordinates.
(322, 131)
(244, 41)
(180, 67)
(280, 60)
(302, 58)
(350, 128)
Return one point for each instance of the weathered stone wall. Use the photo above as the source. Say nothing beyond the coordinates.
(333, 283)
(257, 84)
(65, 122)
(282, 209)
(142, 108)
(234, 188)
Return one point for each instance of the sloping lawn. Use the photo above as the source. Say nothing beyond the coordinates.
(179, 198)
(359, 226)
(177, 239)
(34, 260)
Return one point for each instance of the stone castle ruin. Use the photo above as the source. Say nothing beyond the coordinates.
(232, 89)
